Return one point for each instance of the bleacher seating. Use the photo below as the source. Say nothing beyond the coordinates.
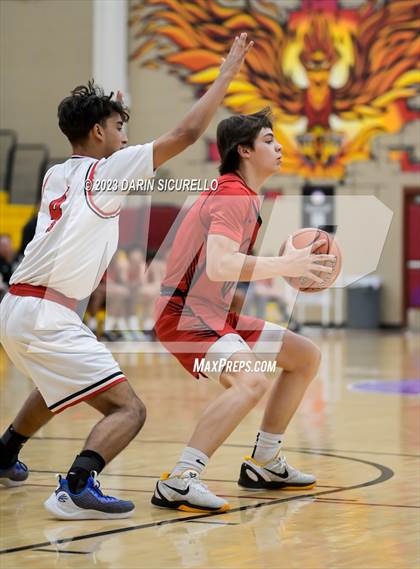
(13, 217)
(29, 166)
(53, 161)
(8, 141)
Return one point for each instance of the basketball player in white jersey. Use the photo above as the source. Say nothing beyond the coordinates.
(76, 237)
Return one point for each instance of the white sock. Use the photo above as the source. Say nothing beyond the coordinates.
(148, 323)
(191, 458)
(110, 323)
(121, 323)
(267, 445)
(133, 323)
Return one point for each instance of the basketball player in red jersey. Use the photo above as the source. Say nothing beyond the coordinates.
(75, 239)
(209, 256)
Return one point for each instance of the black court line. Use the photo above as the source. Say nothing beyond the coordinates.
(243, 496)
(341, 499)
(347, 503)
(214, 523)
(129, 490)
(153, 476)
(380, 453)
(233, 445)
(385, 473)
(63, 551)
(132, 490)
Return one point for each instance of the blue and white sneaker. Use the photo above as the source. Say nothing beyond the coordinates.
(15, 475)
(89, 504)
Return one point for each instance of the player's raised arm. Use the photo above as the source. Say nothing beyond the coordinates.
(198, 118)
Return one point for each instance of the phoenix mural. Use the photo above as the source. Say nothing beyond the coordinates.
(333, 77)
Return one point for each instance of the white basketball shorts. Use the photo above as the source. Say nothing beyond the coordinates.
(48, 343)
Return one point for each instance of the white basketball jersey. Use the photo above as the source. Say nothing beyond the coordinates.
(77, 227)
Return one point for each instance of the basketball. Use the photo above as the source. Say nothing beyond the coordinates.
(304, 238)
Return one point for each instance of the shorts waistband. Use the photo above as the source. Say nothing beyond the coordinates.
(25, 289)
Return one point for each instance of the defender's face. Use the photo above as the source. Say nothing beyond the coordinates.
(266, 154)
(115, 137)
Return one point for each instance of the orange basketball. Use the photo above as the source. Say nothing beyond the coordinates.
(304, 238)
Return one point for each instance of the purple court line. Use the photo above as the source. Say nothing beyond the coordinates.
(409, 387)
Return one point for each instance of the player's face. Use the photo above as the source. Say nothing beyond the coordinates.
(115, 137)
(267, 153)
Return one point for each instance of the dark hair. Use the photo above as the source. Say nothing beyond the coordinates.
(239, 129)
(86, 106)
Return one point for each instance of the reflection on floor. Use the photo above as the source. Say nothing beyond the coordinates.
(357, 429)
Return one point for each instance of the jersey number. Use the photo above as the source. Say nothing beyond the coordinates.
(55, 209)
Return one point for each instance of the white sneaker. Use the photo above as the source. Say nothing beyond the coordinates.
(273, 475)
(186, 492)
(133, 336)
(138, 336)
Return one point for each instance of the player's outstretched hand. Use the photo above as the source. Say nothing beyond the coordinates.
(231, 65)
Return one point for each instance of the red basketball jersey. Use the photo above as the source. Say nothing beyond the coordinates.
(231, 210)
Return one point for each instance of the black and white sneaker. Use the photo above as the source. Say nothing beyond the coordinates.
(186, 492)
(274, 475)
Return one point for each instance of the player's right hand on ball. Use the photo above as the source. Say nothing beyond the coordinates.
(305, 263)
(236, 55)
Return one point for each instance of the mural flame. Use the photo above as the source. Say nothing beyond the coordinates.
(334, 78)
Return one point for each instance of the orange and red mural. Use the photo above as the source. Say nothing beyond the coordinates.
(333, 77)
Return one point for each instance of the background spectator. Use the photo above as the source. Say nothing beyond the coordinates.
(263, 292)
(7, 262)
(28, 232)
(144, 283)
